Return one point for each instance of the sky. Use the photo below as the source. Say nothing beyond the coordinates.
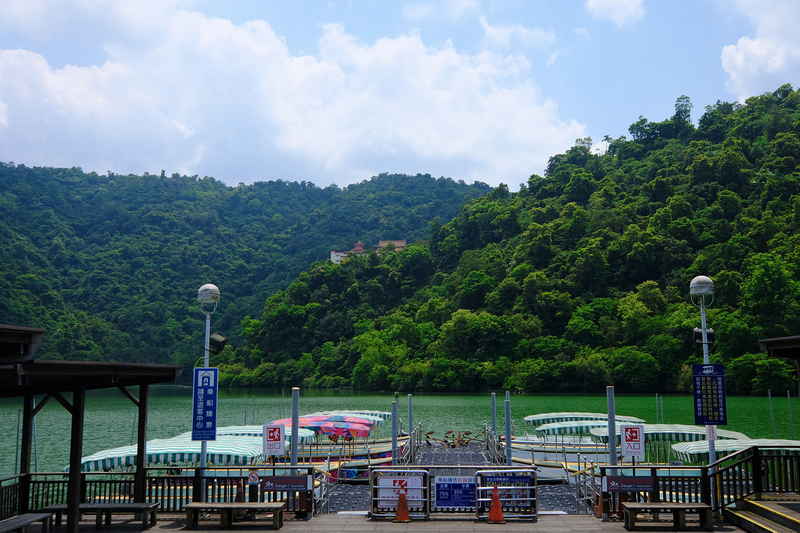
(338, 91)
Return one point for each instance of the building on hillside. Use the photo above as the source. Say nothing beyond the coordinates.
(358, 249)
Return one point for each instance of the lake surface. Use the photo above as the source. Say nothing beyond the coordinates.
(110, 415)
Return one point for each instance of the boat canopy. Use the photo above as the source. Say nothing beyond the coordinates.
(234, 446)
(697, 452)
(670, 433)
(549, 418)
(573, 427)
(225, 451)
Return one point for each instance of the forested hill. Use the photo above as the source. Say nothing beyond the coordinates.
(577, 281)
(109, 265)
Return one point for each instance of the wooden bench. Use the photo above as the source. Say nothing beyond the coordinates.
(228, 509)
(148, 511)
(678, 511)
(22, 521)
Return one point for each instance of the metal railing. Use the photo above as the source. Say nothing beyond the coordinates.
(494, 446)
(587, 487)
(409, 452)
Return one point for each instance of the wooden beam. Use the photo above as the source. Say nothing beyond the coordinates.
(63, 401)
(129, 394)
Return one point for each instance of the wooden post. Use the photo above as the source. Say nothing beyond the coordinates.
(25, 454)
(140, 477)
(74, 487)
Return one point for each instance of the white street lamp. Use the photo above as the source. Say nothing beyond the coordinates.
(701, 289)
(207, 295)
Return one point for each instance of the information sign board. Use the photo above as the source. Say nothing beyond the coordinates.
(708, 382)
(204, 404)
(632, 438)
(274, 439)
(454, 492)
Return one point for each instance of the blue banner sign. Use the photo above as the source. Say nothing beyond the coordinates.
(454, 492)
(204, 404)
(708, 382)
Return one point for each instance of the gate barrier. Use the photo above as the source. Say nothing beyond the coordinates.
(384, 488)
(453, 493)
(517, 489)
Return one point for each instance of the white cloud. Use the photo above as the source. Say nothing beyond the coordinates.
(3, 114)
(416, 11)
(504, 36)
(620, 12)
(770, 58)
(452, 10)
(196, 95)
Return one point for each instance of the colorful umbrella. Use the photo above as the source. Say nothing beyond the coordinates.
(375, 418)
(343, 429)
(384, 415)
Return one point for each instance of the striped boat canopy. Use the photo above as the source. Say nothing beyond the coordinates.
(669, 433)
(549, 418)
(304, 436)
(697, 452)
(180, 450)
(573, 427)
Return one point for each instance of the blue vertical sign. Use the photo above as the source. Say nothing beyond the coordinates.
(204, 404)
(708, 382)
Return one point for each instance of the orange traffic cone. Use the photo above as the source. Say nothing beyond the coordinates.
(402, 509)
(496, 510)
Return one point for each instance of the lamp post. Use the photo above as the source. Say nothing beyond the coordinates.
(701, 289)
(207, 295)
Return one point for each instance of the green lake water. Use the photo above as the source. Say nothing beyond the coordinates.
(110, 415)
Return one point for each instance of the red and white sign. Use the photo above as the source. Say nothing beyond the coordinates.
(274, 439)
(632, 441)
(390, 487)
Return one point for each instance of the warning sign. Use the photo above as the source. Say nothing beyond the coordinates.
(632, 441)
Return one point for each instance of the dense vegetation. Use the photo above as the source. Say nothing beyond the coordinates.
(109, 265)
(577, 281)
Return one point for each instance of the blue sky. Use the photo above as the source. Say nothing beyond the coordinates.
(339, 91)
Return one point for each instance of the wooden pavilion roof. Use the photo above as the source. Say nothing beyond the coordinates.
(43, 376)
